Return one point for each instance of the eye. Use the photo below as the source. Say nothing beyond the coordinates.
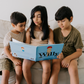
(58, 21)
(21, 25)
(39, 16)
(63, 20)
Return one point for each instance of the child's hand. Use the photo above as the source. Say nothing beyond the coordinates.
(17, 62)
(65, 62)
(60, 56)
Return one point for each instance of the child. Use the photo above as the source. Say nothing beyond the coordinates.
(72, 49)
(18, 21)
(38, 33)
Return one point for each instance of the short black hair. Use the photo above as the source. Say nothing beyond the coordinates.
(63, 12)
(17, 17)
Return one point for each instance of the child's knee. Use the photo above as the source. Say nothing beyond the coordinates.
(73, 71)
(56, 68)
(56, 61)
(47, 68)
(18, 70)
(5, 74)
(19, 73)
(27, 63)
(56, 65)
(73, 68)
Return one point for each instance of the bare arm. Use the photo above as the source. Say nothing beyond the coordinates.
(66, 61)
(51, 40)
(8, 53)
(13, 59)
(28, 36)
(75, 55)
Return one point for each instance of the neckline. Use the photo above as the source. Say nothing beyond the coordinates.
(15, 33)
(68, 34)
(37, 31)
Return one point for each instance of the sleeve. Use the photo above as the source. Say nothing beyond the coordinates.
(78, 41)
(7, 38)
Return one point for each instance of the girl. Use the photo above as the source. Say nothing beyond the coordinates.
(38, 33)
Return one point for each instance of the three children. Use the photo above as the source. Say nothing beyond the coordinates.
(40, 33)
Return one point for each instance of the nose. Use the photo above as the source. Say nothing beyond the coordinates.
(61, 23)
(23, 27)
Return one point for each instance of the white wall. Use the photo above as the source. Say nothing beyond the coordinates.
(25, 6)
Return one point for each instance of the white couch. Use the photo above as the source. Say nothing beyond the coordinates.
(36, 69)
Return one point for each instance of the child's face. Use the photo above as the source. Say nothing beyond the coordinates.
(64, 23)
(37, 18)
(20, 27)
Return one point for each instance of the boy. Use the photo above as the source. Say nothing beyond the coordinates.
(18, 21)
(72, 49)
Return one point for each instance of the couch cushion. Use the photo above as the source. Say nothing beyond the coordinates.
(5, 26)
(81, 61)
(1, 45)
(80, 27)
(1, 49)
(37, 65)
(53, 24)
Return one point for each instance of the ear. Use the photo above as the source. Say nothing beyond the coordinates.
(13, 24)
(71, 19)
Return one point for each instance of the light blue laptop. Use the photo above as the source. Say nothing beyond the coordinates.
(36, 53)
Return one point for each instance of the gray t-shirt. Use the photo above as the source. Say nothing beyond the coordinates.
(8, 37)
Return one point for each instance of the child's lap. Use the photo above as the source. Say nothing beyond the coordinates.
(60, 62)
(7, 64)
(46, 62)
(20, 60)
(75, 61)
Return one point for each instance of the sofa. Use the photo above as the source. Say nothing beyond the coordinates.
(36, 69)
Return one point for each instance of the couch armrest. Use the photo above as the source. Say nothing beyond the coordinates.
(82, 51)
(1, 45)
(81, 61)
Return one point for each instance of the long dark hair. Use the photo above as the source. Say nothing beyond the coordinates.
(44, 18)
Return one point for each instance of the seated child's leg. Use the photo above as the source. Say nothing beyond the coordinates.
(26, 70)
(5, 67)
(55, 71)
(73, 72)
(18, 70)
(5, 76)
(46, 71)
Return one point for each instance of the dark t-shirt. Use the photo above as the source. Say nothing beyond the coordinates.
(72, 42)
